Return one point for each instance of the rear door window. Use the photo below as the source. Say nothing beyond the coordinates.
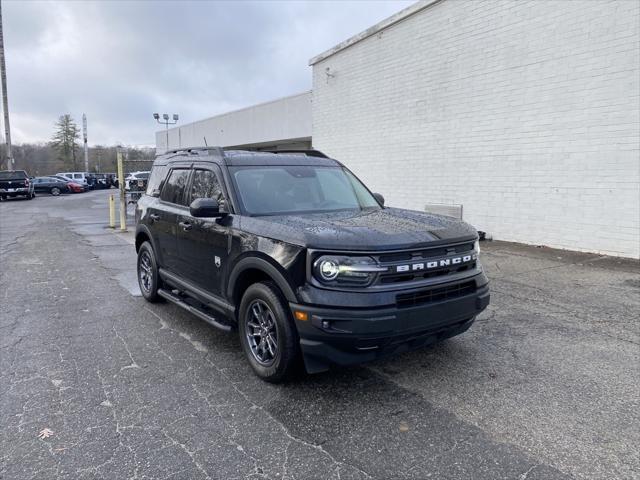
(158, 174)
(173, 190)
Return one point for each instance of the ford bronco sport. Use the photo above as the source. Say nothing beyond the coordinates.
(294, 252)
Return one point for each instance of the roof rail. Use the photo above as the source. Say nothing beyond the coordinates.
(195, 149)
(308, 153)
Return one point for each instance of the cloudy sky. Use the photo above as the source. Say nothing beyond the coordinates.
(120, 61)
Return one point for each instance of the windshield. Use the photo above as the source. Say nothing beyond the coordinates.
(291, 189)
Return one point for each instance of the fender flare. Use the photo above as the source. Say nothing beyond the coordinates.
(264, 266)
(144, 229)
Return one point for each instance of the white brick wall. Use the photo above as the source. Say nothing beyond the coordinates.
(525, 112)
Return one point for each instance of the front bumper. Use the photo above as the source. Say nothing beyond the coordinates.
(346, 336)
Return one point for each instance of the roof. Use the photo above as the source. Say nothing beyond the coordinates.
(386, 23)
(246, 157)
(241, 158)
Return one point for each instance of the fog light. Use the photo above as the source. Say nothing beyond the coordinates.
(326, 324)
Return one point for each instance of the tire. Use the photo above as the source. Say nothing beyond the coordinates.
(55, 191)
(30, 196)
(147, 272)
(269, 339)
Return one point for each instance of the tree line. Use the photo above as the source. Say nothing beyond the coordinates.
(64, 153)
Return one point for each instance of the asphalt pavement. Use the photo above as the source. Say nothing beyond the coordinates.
(96, 383)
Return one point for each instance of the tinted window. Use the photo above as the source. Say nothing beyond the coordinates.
(205, 184)
(12, 175)
(288, 189)
(158, 174)
(173, 190)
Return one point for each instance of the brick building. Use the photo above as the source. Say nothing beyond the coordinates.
(525, 113)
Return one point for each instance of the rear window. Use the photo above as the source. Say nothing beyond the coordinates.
(174, 188)
(13, 175)
(157, 176)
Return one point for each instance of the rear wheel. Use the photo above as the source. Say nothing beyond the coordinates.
(267, 333)
(55, 191)
(148, 278)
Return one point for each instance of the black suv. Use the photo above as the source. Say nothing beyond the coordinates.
(296, 253)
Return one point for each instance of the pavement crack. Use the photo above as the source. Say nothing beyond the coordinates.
(524, 475)
(284, 429)
(190, 453)
(133, 363)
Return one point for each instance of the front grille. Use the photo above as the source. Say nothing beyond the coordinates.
(388, 278)
(432, 295)
(393, 260)
(425, 253)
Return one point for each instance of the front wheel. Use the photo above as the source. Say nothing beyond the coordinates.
(267, 333)
(148, 278)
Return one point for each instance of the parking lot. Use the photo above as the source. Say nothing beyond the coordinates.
(545, 384)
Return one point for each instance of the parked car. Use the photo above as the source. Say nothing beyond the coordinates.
(82, 178)
(112, 179)
(14, 183)
(73, 186)
(101, 181)
(134, 177)
(294, 252)
(51, 185)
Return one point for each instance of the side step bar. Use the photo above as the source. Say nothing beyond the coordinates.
(198, 313)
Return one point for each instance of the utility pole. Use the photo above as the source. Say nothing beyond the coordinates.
(5, 97)
(86, 148)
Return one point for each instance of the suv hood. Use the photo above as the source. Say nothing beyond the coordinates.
(385, 229)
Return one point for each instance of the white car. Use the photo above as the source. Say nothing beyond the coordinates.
(134, 177)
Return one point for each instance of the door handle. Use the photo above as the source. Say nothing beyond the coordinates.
(185, 225)
(153, 217)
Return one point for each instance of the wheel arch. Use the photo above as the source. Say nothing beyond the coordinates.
(251, 270)
(144, 235)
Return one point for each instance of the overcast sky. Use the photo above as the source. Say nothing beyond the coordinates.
(120, 61)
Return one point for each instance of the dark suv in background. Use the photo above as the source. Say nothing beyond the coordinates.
(296, 253)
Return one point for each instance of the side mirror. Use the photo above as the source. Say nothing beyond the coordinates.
(205, 207)
(379, 198)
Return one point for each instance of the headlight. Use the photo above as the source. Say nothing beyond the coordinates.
(343, 270)
(476, 248)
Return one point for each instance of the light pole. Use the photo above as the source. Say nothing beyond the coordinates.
(165, 121)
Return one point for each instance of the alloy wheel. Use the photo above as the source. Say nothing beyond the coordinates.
(145, 272)
(261, 332)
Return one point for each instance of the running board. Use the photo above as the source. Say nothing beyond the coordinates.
(198, 313)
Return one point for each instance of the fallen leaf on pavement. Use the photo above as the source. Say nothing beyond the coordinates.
(45, 433)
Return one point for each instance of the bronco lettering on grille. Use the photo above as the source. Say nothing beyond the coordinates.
(444, 262)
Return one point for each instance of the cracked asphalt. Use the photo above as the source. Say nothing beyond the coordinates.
(545, 385)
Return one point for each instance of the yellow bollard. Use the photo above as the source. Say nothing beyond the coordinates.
(123, 198)
(112, 212)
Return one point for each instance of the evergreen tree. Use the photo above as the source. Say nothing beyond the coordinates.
(64, 141)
